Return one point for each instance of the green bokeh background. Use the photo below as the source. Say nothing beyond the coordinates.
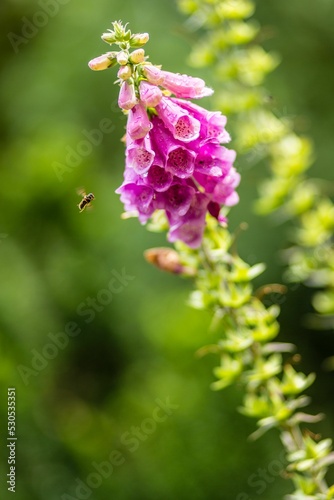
(141, 346)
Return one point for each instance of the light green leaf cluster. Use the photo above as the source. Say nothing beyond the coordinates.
(273, 390)
(229, 45)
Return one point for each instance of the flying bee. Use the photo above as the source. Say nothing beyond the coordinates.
(86, 200)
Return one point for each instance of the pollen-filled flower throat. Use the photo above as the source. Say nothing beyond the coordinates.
(175, 163)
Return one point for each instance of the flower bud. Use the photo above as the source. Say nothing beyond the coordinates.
(168, 260)
(153, 74)
(103, 62)
(138, 124)
(122, 58)
(109, 37)
(127, 96)
(137, 56)
(150, 94)
(124, 72)
(139, 39)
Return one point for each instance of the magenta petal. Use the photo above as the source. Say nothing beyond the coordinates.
(158, 178)
(181, 162)
(178, 199)
(183, 126)
(190, 228)
(130, 176)
(138, 197)
(178, 159)
(140, 155)
(191, 232)
(224, 190)
(208, 182)
(232, 199)
(213, 159)
(162, 139)
(138, 124)
(212, 122)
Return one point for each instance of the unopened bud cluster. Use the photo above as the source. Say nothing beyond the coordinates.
(126, 41)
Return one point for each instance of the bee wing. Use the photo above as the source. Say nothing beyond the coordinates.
(81, 191)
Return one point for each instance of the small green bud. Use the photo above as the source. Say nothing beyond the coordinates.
(139, 39)
(137, 56)
(127, 36)
(109, 37)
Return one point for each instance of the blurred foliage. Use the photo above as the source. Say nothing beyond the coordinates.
(230, 45)
(75, 410)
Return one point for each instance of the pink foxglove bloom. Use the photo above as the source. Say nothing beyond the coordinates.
(190, 175)
(214, 122)
(175, 158)
(178, 159)
(183, 126)
(190, 229)
(159, 178)
(139, 155)
(183, 86)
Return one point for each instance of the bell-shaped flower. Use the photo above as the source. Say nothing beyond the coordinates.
(190, 228)
(139, 155)
(178, 199)
(137, 198)
(150, 94)
(185, 86)
(181, 124)
(213, 159)
(158, 178)
(138, 124)
(179, 160)
(212, 122)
